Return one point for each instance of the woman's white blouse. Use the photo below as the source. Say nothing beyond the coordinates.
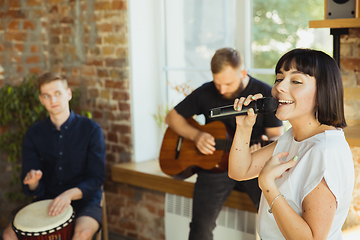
(326, 155)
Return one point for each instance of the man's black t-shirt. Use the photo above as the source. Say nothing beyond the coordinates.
(202, 99)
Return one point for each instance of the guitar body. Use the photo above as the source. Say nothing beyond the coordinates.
(180, 158)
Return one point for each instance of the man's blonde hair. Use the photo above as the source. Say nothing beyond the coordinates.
(50, 77)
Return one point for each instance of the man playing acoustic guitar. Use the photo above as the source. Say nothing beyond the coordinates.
(230, 81)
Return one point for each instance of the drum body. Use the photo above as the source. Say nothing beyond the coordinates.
(34, 223)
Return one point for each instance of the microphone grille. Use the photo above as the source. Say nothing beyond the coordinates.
(267, 105)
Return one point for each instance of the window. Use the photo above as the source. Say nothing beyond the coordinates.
(172, 42)
(261, 30)
(194, 30)
(278, 28)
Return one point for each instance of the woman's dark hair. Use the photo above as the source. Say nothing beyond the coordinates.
(329, 87)
(225, 57)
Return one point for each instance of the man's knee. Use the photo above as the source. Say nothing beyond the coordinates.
(85, 228)
(83, 234)
(9, 233)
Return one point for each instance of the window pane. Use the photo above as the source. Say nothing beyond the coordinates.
(281, 26)
(195, 29)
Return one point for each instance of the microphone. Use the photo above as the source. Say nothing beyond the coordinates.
(262, 105)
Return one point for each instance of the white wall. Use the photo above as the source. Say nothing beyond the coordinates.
(145, 76)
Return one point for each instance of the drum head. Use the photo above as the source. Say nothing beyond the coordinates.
(35, 217)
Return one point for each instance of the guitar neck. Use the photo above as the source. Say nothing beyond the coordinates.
(225, 144)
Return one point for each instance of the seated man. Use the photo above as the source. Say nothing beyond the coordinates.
(64, 159)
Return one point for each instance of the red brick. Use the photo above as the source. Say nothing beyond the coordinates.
(116, 40)
(352, 64)
(99, 6)
(121, 128)
(28, 24)
(33, 59)
(93, 93)
(124, 116)
(124, 139)
(119, 5)
(75, 71)
(98, 114)
(51, 2)
(12, 14)
(118, 62)
(2, 47)
(15, 36)
(16, 59)
(33, 3)
(65, 39)
(98, 40)
(117, 149)
(54, 9)
(73, 82)
(94, 62)
(102, 73)
(38, 13)
(2, 3)
(120, 95)
(108, 50)
(14, 25)
(19, 69)
(14, 4)
(119, 74)
(54, 40)
(35, 48)
(124, 106)
(67, 20)
(105, 94)
(112, 137)
(66, 30)
(110, 116)
(122, 53)
(89, 71)
(35, 70)
(117, 84)
(105, 27)
(19, 47)
(130, 226)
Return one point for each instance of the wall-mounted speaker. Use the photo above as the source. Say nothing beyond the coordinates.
(340, 9)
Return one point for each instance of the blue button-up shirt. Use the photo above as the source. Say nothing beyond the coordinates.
(71, 157)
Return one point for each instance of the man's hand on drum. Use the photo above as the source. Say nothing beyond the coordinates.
(32, 179)
(59, 204)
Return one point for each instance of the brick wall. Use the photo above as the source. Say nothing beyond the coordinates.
(350, 71)
(135, 212)
(87, 40)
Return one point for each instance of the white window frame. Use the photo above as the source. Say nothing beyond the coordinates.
(147, 65)
(243, 38)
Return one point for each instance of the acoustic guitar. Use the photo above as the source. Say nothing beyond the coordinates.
(180, 158)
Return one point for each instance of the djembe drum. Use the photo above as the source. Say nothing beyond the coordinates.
(33, 222)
